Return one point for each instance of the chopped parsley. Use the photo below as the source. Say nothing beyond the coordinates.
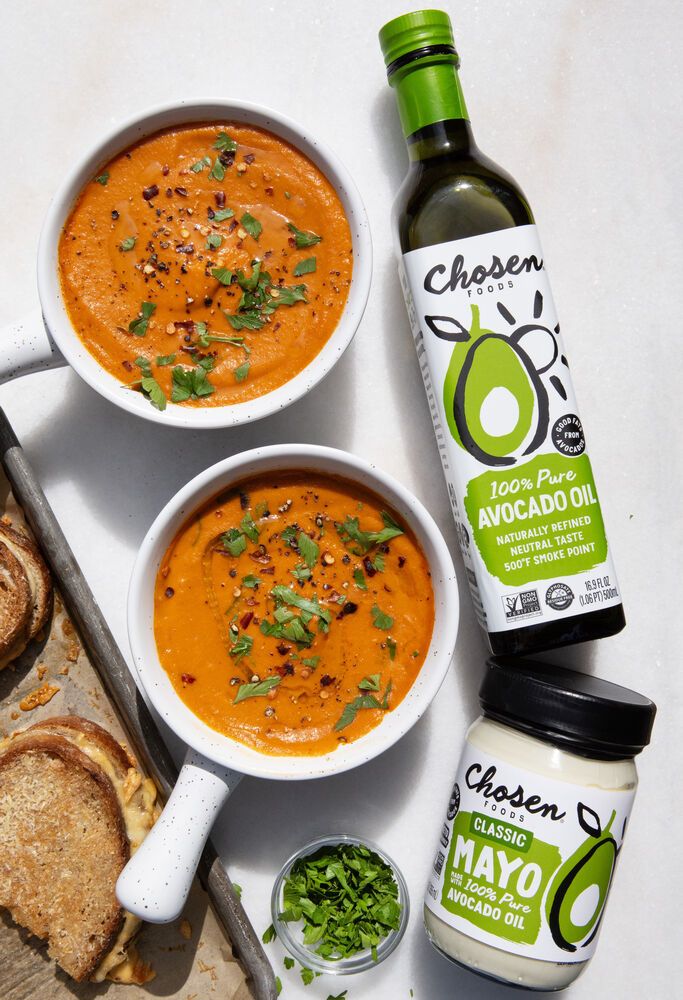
(251, 225)
(241, 647)
(308, 548)
(234, 541)
(222, 274)
(222, 214)
(359, 579)
(102, 178)
(257, 689)
(242, 372)
(191, 383)
(251, 581)
(302, 237)
(138, 326)
(347, 898)
(268, 935)
(352, 708)
(360, 542)
(307, 266)
(164, 359)
(370, 683)
(225, 143)
(213, 241)
(391, 646)
(380, 620)
(200, 164)
(128, 243)
(217, 172)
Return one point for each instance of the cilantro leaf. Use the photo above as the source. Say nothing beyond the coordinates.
(102, 178)
(213, 241)
(380, 620)
(370, 683)
(308, 548)
(257, 689)
(242, 372)
(252, 225)
(360, 542)
(217, 172)
(352, 708)
(391, 646)
(191, 383)
(302, 237)
(359, 579)
(222, 214)
(251, 581)
(245, 321)
(197, 167)
(128, 243)
(164, 359)
(268, 935)
(307, 266)
(284, 595)
(153, 391)
(222, 274)
(301, 572)
(225, 143)
(287, 295)
(249, 527)
(288, 962)
(138, 326)
(241, 647)
(234, 541)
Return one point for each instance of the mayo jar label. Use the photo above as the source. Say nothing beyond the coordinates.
(507, 426)
(524, 863)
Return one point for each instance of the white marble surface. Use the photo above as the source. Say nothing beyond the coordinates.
(578, 102)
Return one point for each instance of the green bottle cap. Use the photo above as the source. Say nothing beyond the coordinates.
(411, 32)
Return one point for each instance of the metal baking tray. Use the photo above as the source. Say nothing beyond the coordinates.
(127, 702)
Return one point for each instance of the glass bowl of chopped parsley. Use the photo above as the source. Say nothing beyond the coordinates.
(340, 905)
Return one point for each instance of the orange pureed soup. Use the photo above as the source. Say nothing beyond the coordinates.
(206, 265)
(293, 612)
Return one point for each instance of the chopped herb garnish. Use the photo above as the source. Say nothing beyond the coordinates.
(303, 238)
(249, 527)
(102, 178)
(217, 172)
(278, 986)
(225, 143)
(347, 898)
(301, 572)
(288, 962)
(308, 548)
(222, 214)
(234, 541)
(288, 195)
(238, 890)
(362, 701)
(242, 372)
(284, 595)
(359, 579)
(380, 620)
(251, 581)
(268, 935)
(200, 164)
(241, 647)
(360, 542)
(339, 996)
(153, 391)
(311, 661)
(307, 975)
(191, 383)
(246, 321)
(138, 326)
(307, 266)
(222, 274)
(213, 241)
(287, 295)
(391, 646)
(257, 689)
(128, 243)
(164, 359)
(370, 683)
(252, 225)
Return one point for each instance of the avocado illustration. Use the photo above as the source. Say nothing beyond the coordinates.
(486, 363)
(589, 870)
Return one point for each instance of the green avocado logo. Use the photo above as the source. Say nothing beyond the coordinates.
(495, 400)
(576, 897)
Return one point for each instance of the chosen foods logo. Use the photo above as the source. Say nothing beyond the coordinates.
(576, 897)
(496, 401)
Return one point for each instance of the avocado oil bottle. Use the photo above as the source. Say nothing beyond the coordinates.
(494, 367)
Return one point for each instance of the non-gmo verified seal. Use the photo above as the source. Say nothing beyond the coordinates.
(559, 596)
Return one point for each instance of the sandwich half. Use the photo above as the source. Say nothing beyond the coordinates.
(73, 808)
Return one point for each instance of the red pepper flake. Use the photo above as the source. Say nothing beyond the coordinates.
(244, 501)
(169, 193)
(127, 365)
(401, 562)
(326, 680)
(249, 158)
(114, 214)
(245, 620)
(165, 170)
(220, 198)
(283, 649)
(210, 212)
(181, 191)
(150, 192)
(368, 567)
(185, 248)
(349, 608)
(269, 191)
(187, 678)
(270, 570)
(260, 555)
(169, 592)
(285, 669)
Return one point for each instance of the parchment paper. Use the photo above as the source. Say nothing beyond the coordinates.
(191, 957)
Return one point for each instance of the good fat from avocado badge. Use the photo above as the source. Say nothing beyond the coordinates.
(528, 861)
(512, 445)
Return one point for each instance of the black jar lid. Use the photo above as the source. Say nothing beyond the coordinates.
(585, 714)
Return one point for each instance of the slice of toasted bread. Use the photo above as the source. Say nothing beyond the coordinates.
(26, 551)
(63, 845)
(16, 605)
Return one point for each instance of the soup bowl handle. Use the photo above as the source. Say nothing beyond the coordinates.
(26, 346)
(155, 883)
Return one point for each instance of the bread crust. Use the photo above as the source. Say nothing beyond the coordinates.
(38, 575)
(49, 746)
(98, 735)
(16, 604)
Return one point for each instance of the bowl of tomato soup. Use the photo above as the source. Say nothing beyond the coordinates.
(205, 265)
(292, 612)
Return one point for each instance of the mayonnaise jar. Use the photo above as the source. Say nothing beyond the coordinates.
(535, 823)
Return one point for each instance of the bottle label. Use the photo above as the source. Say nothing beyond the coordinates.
(525, 863)
(507, 425)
